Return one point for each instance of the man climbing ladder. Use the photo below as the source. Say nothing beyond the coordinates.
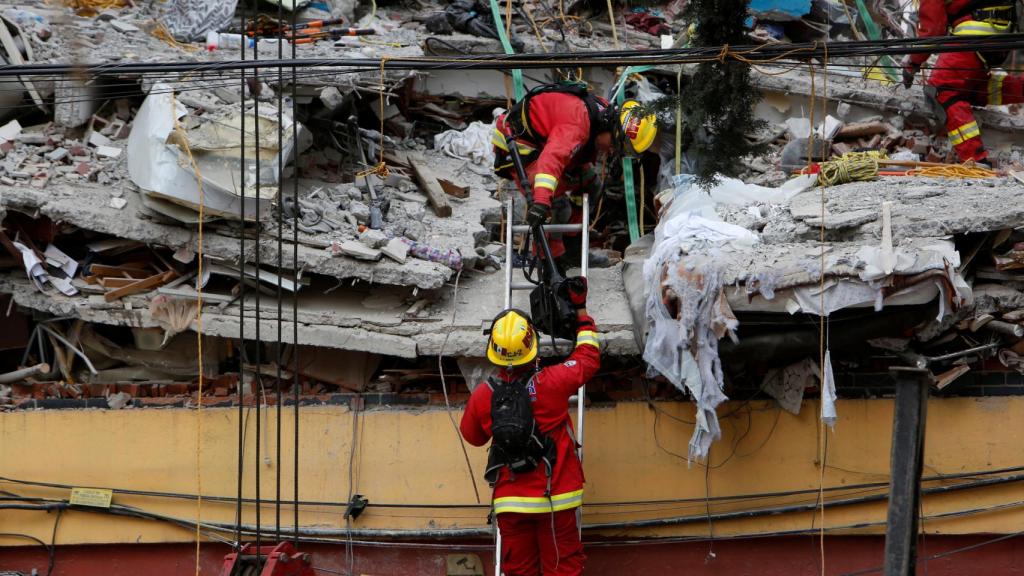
(532, 464)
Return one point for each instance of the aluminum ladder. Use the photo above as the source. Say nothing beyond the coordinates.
(510, 285)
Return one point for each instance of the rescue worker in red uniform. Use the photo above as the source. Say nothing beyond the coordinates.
(535, 511)
(965, 79)
(565, 135)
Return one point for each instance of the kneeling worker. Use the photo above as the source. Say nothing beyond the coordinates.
(563, 132)
(532, 465)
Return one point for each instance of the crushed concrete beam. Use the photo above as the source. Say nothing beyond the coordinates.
(87, 206)
(358, 322)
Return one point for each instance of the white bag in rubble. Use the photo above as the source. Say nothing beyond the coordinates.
(473, 143)
(190, 20)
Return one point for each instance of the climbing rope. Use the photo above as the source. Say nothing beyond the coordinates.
(381, 169)
(966, 170)
(846, 169)
(181, 139)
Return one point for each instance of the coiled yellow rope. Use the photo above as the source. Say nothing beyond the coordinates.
(853, 167)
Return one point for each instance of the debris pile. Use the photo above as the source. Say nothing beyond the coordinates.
(365, 202)
(896, 266)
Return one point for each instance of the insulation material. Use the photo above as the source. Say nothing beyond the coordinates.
(683, 347)
(476, 371)
(787, 384)
(828, 394)
(161, 155)
(172, 314)
(473, 143)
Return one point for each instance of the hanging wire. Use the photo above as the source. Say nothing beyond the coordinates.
(279, 359)
(295, 293)
(254, 86)
(242, 420)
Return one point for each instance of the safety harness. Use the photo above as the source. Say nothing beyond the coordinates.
(986, 18)
(530, 143)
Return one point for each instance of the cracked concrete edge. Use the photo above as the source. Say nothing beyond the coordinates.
(884, 100)
(460, 341)
(98, 216)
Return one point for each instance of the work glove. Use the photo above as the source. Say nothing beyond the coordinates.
(910, 71)
(576, 291)
(537, 214)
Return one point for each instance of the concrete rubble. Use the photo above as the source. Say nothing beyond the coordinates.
(365, 225)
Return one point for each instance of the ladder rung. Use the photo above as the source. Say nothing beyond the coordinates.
(551, 228)
(523, 285)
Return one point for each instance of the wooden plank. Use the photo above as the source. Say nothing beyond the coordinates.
(141, 286)
(118, 271)
(430, 186)
(10, 247)
(114, 282)
(452, 189)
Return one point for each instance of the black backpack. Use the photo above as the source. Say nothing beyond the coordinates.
(516, 441)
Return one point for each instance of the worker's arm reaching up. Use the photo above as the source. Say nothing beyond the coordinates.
(585, 359)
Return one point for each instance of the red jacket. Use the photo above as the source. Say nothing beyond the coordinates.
(551, 389)
(934, 20)
(563, 122)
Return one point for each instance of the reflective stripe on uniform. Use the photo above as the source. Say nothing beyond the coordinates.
(499, 140)
(995, 88)
(975, 28)
(589, 338)
(539, 504)
(958, 136)
(545, 181)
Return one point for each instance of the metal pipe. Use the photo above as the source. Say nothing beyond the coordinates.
(15, 376)
(509, 205)
(77, 352)
(967, 352)
(549, 228)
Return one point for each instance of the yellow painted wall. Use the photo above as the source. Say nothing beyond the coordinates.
(406, 456)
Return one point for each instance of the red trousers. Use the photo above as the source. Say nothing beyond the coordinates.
(962, 80)
(535, 544)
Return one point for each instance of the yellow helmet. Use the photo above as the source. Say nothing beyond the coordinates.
(638, 131)
(513, 340)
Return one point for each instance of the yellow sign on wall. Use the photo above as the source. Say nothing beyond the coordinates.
(95, 497)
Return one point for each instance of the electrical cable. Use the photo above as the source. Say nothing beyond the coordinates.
(349, 552)
(750, 54)
(295, 294)
(279, 358)
(255, 87)
(947, 553)
(242, 419)
(338, 536)
(53, 543)
(747, 496)
(444, 385)
(51, 552)
(200, 86)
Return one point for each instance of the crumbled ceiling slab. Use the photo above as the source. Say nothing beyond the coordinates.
(363, 319)
(871, 95)
(921, 208)
(87, 206)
